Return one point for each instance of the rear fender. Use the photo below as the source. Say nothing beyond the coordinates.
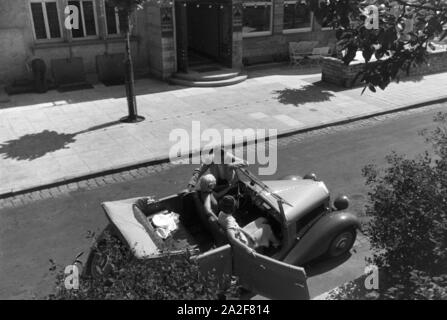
(316, 241)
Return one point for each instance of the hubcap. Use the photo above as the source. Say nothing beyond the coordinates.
(99, 264)
(341, 243)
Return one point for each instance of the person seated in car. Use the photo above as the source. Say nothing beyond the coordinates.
(222, 168)
(257, 234)
(204, 190)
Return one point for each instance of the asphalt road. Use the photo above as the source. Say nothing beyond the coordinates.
(56, 228)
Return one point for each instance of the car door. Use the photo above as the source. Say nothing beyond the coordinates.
(217, 261)
(269, 277)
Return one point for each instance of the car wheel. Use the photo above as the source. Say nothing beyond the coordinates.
(99, 262)
(342, 243)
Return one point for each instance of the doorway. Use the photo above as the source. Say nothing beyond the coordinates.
(204, 34)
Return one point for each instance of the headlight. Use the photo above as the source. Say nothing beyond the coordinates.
(341, 202)
(311, 176)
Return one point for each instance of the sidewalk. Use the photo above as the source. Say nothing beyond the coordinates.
(59, 136)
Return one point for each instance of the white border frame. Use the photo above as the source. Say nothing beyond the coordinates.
(259, 33)
(45, 17)
(298, 30)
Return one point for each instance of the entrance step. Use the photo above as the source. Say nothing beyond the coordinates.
(219, 78)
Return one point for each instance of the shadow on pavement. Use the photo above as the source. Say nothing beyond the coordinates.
(306, 94)
(324, 265)
(143, 86)
(33, 146)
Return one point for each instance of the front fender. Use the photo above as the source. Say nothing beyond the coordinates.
(316, 241)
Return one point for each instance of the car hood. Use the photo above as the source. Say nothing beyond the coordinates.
(304, 195)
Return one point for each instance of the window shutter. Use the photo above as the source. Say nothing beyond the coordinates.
(39, 21)
(53, 20)
(89, 18)
(111, 20)
(123, 21)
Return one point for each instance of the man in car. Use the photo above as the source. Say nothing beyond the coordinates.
(259, 234)
(222, 165)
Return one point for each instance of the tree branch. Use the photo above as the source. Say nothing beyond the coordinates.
(417, 6)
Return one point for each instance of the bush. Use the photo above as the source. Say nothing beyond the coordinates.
(171, 277)
(408, 229)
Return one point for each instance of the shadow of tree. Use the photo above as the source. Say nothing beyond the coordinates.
(33, 146)
(305, 94)
(410, 78)
(36, 145)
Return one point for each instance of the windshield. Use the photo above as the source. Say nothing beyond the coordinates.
(249, 177)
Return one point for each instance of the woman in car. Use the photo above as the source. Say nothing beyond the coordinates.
(222, 166)
(204, 190)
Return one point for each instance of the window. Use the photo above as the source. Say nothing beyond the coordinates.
(324, 24)
(45, 19)
(257, 18)
(297, 16)
(87, 16)
(116, 21)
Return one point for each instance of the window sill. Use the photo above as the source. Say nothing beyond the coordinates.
(301, 30)
(80, 42)
(257, 34)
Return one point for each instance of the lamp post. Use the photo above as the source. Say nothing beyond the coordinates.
(133, 116)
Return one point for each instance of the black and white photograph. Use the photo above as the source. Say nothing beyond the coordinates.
(239, 151)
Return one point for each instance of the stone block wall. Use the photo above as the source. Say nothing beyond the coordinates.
(336, 72)
(17, 43)
(275, 47)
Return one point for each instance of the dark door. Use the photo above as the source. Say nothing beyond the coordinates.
(225, 33)
(269, 277)
(181, 28)
(217, 261)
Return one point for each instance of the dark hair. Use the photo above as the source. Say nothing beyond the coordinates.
(227, 204)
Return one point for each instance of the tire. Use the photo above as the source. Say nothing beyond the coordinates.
(99, 263)
(342, 243)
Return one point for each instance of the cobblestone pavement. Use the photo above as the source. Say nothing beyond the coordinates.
(58, 137)
(148, 170)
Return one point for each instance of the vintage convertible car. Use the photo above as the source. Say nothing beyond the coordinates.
(298, 210)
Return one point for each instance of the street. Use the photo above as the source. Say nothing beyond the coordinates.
(56, 228)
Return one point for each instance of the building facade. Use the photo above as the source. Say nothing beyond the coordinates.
(168, 35)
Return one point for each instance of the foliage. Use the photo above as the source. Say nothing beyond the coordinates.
(408, 229)
(171, 277)
(406, 29)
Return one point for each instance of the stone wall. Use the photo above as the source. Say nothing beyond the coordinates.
(275, 47)
(17, 43)
(336, 72)
(15, 37)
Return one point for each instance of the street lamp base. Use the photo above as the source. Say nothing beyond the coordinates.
(135, 119)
